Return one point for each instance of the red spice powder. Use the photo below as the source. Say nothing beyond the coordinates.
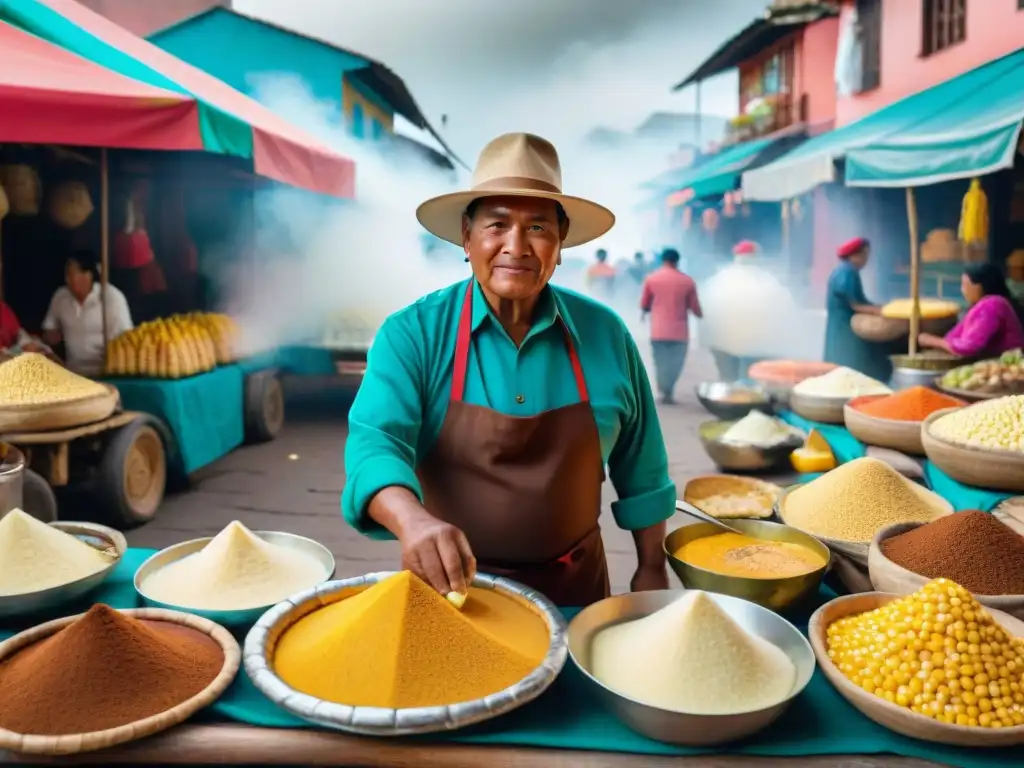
(913, 404)
(103, 671)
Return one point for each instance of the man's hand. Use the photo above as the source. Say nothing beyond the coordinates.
(438, 553)
(649, 577)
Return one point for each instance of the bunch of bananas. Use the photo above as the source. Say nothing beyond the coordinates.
(974, 215)
(173, 347)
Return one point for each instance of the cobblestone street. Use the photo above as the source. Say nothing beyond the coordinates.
(294, 483)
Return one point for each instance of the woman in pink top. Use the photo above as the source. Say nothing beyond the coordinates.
(991, 326)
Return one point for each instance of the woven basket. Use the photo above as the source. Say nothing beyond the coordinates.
(72, 413)
(28, 744)
(876, 328)
(887, 576)
(23, 187)
(69, 204)
(997, 470)
(891, 716)
(705, 486)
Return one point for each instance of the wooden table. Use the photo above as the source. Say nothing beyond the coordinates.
(243, 745)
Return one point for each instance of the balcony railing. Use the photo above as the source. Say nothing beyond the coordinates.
(784, 112)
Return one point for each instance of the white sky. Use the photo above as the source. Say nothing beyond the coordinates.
(554, 67)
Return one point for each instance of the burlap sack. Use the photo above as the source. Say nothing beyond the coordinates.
(70, 204)
(23, 187)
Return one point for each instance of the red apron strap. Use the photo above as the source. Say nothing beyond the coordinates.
(461, 363)
(462, 338)
(577, 368)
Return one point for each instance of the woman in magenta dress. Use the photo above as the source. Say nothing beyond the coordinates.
(992, 324)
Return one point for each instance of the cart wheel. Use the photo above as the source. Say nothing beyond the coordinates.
(264, 407)
(132, 475)
(38, 498)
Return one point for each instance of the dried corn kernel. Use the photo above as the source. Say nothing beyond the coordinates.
(938, 653)
(458, 599)
(32, 379)
(992, 425)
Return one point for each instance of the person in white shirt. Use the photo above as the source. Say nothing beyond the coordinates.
(75, 315)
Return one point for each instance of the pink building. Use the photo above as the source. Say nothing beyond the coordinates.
(910, 45)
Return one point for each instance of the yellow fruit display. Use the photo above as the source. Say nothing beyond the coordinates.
(815, 455)
(931, 309)
(974, 215)
(174, 347)
(937, 653)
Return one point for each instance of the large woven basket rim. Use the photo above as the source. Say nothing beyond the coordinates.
(35, 744)
(895, 422)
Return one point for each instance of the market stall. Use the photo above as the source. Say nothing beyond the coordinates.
(102, 87)
(565, 726)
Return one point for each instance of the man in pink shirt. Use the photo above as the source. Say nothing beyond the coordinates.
(670, 296)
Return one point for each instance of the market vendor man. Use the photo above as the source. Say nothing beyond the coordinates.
(490, 409)
(846, 298)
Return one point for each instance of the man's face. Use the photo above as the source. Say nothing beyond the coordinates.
(860, 259)
(513, 245)
(78, 280)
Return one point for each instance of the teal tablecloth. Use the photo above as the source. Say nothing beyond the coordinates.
(847, 448)
(819, 722)
(204, 413)
(306, 361)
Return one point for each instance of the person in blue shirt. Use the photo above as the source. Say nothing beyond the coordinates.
(845, 299)
(490, 410)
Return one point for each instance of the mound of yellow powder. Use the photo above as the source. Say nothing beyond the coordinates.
(235, 571)
(398, 644)
(856, 500)
(35, 556)
(692, 657)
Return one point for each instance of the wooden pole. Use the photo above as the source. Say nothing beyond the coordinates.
(104, 243)
(915, 272)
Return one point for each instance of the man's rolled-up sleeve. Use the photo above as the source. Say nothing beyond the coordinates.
(384, 423)
(638, 464)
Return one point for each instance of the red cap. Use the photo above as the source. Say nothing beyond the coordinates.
(850, 247)
(746, 248)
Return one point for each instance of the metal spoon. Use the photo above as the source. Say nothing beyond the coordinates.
(689, 509)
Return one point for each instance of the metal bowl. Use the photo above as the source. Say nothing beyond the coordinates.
(262, 639)
(237, 618)
(717, 398)
(744, 458)
(774, 594)
(679, 727)
(97, 536)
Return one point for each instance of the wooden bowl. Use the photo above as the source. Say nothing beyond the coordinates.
(998, 470)
(71, 413)
(824, 410)
(904, 436)
(891, 716)
(698, 489)
(69, 744)
(887, 576)
(967, 395)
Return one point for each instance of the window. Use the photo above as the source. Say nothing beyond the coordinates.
(358, 123)
(944, 24)
(869, 30)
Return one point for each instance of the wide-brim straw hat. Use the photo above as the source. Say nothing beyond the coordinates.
(516, 165)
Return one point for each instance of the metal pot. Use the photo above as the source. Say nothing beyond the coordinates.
(12, 478)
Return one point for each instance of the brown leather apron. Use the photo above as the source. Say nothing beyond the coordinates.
(526, 491)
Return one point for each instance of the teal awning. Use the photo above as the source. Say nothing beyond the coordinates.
(953, 117)
(968, 133)
(716, 175)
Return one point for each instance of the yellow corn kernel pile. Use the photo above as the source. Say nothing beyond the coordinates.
(996, 425)
(32, 379)
(931, 309)
(938, 653)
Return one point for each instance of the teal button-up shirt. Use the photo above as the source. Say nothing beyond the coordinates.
(403, 399)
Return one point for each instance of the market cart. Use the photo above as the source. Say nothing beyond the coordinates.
(119, 464)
